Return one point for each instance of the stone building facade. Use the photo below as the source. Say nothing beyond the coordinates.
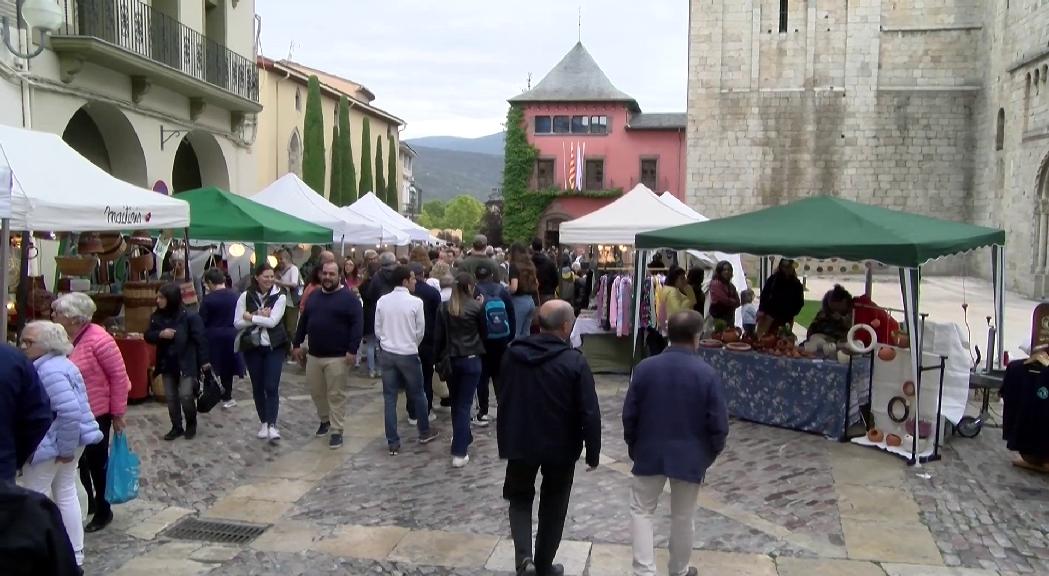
(929, 106)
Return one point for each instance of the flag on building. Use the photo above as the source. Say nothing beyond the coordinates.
(573, 170)
(579, 166)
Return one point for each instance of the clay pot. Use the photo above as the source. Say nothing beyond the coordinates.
(893, 440)
(731, 335)
(924, 428)
(901, 340)
(886, 354)
(875, 435)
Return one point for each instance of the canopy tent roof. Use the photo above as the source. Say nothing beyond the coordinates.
(371, 208)
(220, 215)
(289, 194)
(54, 188)
(824, 227)
(639, 210)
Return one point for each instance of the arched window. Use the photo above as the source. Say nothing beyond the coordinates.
(999, 135)
(295, 154)
(298, 100)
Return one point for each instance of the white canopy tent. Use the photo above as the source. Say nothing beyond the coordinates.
(739, 279)
(618, 223)
(371, 208)
(56, 189)
(291, 195)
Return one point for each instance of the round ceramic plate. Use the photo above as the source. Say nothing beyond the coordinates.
(738, 347)
(710, 343)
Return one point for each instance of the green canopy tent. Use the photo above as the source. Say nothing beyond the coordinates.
(219, 215)
(824, 227)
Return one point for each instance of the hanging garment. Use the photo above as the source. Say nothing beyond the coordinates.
(613, 309)
(645, 303)
(602, 299)
(626, 308)
(1025, 418)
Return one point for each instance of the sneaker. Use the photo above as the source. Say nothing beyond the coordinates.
(692, 571)
(429, 436)
(273, 433)
(191, 432)
(264, 431)
(481, 420)
(335, 441)
(323, 429)
(174, 433)
(459, 462)
(433, 417)
(527, 568)
(373, 375)
(229, 404)
(395, 450)
(413, 421)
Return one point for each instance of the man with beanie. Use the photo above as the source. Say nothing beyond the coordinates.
(548, 411)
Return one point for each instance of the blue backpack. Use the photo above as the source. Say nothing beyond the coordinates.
(497, 320)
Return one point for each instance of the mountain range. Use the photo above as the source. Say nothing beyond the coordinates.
(449, 166)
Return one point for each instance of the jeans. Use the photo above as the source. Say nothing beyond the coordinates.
(265, 366)
(466, 373)
(178, 393)
(644, 498)
(226, 381)
(326, 378)
(400, 371)
(426, 358)
(519, 490)
(57, 481)
(370, 345)
(490, 363)
(524, 310)
(93, 466)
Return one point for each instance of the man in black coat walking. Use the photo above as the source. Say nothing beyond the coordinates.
(431, 298)
(548, 410)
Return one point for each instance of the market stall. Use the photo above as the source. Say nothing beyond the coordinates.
(371, 208)
(823, 227)
(290, 195)
(54, 189)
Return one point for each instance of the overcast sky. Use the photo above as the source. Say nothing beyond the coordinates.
(447, 68)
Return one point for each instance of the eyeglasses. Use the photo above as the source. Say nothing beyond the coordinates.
(27, 342)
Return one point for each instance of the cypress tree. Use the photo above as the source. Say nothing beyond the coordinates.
(335, 182)
(349, 172)
(380, 182)
(367, 182)
(391, 173)
(313, 160)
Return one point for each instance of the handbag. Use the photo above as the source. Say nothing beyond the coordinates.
(443, 366)
(122, 471)
(210, 392)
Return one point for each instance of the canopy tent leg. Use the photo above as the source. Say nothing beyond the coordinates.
(998, 274)
(22, 297)
(763, 272)
(910, 279)
(5, 262)
(187, 274)
(640, 269)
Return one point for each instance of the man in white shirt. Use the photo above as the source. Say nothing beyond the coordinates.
(400, 324)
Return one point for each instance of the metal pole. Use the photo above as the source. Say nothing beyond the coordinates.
(5, 262)
(22, 300)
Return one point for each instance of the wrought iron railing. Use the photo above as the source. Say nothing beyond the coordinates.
(139, 29)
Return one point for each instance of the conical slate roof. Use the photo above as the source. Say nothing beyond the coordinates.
(576, 78)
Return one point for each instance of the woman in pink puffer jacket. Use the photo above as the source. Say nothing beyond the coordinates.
(96, 354)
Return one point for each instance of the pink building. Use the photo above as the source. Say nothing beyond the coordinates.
(617, 146)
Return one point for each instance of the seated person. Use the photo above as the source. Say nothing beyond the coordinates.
(834, 320)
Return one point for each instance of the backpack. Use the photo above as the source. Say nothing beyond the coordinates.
(497, 320)
(567, 289)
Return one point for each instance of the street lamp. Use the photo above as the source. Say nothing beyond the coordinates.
(45, 15)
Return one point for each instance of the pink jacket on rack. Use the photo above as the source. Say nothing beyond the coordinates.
(102, 366)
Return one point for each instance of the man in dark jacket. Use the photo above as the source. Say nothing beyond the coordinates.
(548, 410)
(25, 411)
(479, 257)
(497, 339)
(782, 298)
(545, 272)
(675, 422)
(376, 286)
(33, 540)
(431, 298)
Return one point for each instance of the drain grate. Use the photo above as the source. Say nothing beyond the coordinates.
(216, 531)
(1029, 493)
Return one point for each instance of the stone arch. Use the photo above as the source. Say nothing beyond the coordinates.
(199, 162)
(1041, 211)
(104, 135)
(295, 153)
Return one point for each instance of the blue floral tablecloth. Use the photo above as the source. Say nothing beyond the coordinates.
(800, 394)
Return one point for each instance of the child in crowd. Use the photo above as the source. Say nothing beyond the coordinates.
(750, 313)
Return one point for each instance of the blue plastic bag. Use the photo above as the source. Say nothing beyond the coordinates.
(122, 475)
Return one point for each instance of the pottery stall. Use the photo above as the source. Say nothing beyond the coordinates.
(911, 381)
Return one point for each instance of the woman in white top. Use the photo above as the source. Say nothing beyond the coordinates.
(290, 280)
(441, 279)
(264, 342)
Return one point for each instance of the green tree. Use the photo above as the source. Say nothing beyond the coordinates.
(367, 182)
(464, 213)
(380, 180)
(348, 170)
(392, 197)
(432, 215)
(335, 182)
(313, 160)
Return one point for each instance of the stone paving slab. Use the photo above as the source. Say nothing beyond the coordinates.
(616, 560)
(448, 549)
(820, 567)
(249, 510)
(310, 563)
(362, 542)
(574, 556)
(149, 527)
(912, 570)
(171, 559)
(877, 503)
(891, 542)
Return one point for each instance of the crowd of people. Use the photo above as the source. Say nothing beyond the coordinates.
(480, 321)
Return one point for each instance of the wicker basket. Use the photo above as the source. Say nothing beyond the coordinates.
(107, 306)
(79, 266)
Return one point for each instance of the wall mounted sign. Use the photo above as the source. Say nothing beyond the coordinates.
(160, 186)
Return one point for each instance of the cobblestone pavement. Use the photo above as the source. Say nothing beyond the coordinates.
(776, 503)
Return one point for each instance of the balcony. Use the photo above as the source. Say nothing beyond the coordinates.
(151, 47)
